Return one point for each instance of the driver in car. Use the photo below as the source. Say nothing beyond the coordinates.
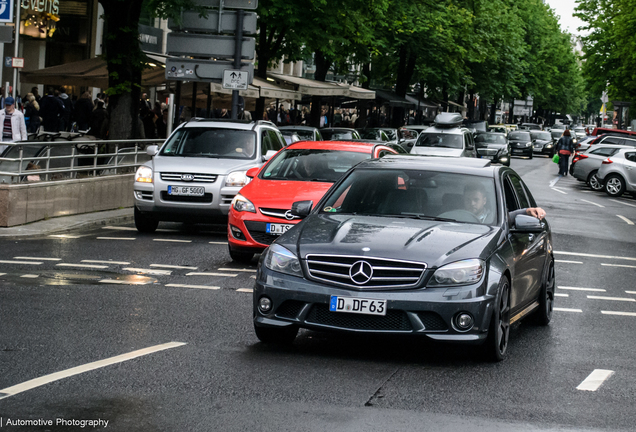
(476, 202)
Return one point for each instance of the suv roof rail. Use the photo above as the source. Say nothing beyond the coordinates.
(263, 122)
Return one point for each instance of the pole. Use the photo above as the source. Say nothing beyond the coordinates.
(238, 44)
(194, 99)
(209, 102)
(170, 114)
(16, 50)
(178, 103)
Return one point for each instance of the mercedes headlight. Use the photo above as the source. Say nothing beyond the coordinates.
(144, 174)
(242, 204)
(529, 144)
(459, 273)
(282, 260)
(237, 178)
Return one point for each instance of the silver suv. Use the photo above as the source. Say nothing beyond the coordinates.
(446, 138)
(199, 169)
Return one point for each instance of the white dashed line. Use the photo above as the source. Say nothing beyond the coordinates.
(560, 191)
(567, 310)
(148, 271)
(617, 265)
(245, 290)
(253, 277)
(594, 256)
(581, 289)
(173, 266)
(618, 313)
(630, 292)
(561, 295)
(621, 202)
(555, 181)
(593, 203)
(21, 262)
(120, 228)
(626, 220)
(595, 379)
(38, 382)
(30, 276)
(221, 243)
(568, 262)
(94, 266)
(194, 286)
(116, 238)
(37, 259)
(106, 262)
(65, 236)
(2, 274)
(238, 270)
(122, 282)
(172, 240)
(211, 274)
(611, 298)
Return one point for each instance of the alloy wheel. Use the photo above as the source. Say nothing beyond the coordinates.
(549, 292)
(614, 186)
(595, 184)
(503, 326)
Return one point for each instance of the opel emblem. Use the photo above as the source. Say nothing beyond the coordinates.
(187, 177)
(361, 272)
(289, 215)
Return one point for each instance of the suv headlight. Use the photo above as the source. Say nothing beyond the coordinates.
(458, 273)
(237, 178)
(529, 144)
(143, 175)
(282, 260)
(241, 204)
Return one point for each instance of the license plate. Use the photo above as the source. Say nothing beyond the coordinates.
(278, 229)
(517, 151)
(186, 190)
(488, 157)
(357, 305)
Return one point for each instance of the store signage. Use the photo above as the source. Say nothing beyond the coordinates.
(6, 11)
(46, 6)
(151, 38)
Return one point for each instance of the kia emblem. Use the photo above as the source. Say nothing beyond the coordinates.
(187, 177)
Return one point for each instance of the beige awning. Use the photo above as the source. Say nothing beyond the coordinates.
(251, 92)
(358, 92)
(310, 87)
(269, 90)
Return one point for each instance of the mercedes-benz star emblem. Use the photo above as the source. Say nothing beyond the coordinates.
(187, 177)
(361, 272)
(289, 215)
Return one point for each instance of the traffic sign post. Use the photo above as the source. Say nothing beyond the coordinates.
(198, 45)
(6, 11)
(235, 79)
(203, 70)
(191, 21)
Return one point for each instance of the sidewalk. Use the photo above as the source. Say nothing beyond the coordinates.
(67, 223)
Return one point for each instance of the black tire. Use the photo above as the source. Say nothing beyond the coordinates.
(531, 155)
(276, 335)
(593, 182)
(496, 345)
(543, 316)
(145, 224)
(242, 257)
(614, 185)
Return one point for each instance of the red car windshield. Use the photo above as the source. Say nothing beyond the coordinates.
(311, 165)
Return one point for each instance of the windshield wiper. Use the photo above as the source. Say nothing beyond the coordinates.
(425, 217)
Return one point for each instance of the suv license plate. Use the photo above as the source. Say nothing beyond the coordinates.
(186, 190)
(277, 229)
(357, 305)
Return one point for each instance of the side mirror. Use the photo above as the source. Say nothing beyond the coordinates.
(152, 150)
(252, 172)
(301, 208)
(527, 224)
(270, 153)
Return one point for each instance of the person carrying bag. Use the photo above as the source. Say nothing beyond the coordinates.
(564, 148)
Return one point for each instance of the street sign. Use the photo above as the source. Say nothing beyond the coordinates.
(229, 4)
(190, 21)
(6, 34)
(17, 62)
(8, 61)
(204, 70)
(197, 45)
(235, 79)
(6, 11)
(604, 98)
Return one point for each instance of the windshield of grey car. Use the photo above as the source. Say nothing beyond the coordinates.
(440, 140)
(490, 138)
(311, 165)
(556, 133)
(543, 136)
(417, 194)
(211, 142)
(333, 135)
(302, 133)
(520, 136)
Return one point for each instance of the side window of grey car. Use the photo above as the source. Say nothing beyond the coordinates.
(265, 142)
(630, 157)
(611, 140)
(277, 140)
(509, 194)
(607, 151)
(521, 195)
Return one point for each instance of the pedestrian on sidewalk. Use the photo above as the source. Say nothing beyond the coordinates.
(32, 112)
(13, 125)
(565, 148)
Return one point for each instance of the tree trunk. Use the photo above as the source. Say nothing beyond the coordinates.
(483, 108)
(493, 112)
(511, 112)
(322, 67)
(445, 96)
(363, 105)
(471, 105)
(121, 22)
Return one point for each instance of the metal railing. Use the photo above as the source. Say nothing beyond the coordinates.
(30, 161)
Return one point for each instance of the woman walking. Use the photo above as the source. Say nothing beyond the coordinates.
(565, 147)
(32, 112)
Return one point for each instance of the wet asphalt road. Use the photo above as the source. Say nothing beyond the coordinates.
(55, 316)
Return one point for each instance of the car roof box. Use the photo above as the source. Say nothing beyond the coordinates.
(448, 120)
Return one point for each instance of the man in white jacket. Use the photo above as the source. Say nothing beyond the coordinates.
(12, 123)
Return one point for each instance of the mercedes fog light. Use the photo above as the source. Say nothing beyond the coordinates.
(264, 304)
(464, 321)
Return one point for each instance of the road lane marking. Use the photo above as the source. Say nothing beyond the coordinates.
(2, 274)
(116, 238)
(65, 236)
(173, 266)
(595, 380)
(29, 276)
(629, 299)
(630, 292)
(566, 310)
(618, 313)
(626, 220)
(194, 286)
(120, 228)
(47, 379)
(172, 240)
(238, 270)
(21, 262)
(106, 262)
(555, 181)
(561, 295)
(211, 274)
(223, 243)
(122, 282)
(148, 271)
(94, 266)
(581, 289)
(37, 259)
(558, 190)
(568, 262)
(617, 265)
(593, 203)
(594, 256)
(624, 203)
(245, 290)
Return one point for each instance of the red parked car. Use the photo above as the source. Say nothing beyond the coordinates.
(301, 171)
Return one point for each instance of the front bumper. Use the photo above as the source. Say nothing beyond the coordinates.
(522, 151)
(426, 312)
(253, 237)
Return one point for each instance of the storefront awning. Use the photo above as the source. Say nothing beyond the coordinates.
(423, 103)
(393, 100)
(359, 92)
(310, 87)
(269, 90)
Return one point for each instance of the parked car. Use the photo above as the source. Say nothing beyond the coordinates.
(542, 143)
(336, 134)
(618, 172)
(530, 126)
(401, 248)
(374, 134)
(446, 138)
(606, 139)
(521, 143)
(585, 165)
(498, 129)
(304, 132)
(290, 136)
(303, 171)
(196, 173)
(493, 146)
(580, 132)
